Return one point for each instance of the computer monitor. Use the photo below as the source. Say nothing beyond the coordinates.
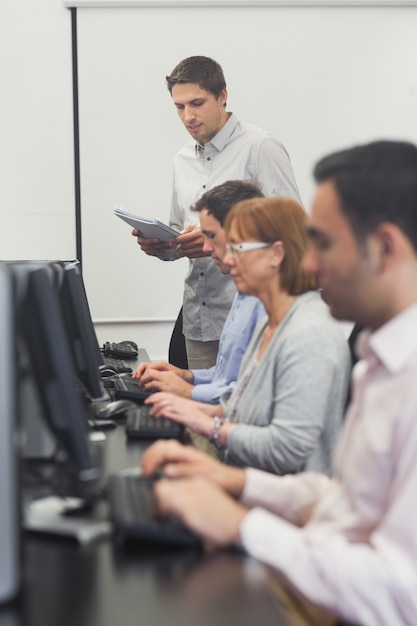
(85, 350)
(10, 522)
(42, 329)
(38, 442)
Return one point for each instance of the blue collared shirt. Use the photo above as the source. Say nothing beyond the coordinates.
(243, 317)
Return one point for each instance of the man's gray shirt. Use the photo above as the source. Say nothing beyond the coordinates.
(239, 151)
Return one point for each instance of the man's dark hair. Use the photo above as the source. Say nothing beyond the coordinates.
(219, 200)
(376, 182)
(203, 71)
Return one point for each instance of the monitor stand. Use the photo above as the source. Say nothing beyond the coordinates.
(64, 517)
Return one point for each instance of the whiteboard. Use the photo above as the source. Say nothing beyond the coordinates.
(319, 78)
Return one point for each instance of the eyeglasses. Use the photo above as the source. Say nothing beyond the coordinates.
(246, 246)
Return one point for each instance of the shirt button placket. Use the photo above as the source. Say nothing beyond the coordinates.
(208, 170)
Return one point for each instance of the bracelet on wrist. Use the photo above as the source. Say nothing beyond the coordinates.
(215, 433)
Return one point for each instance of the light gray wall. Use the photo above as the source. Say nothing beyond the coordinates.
(36, 155)
(319, 78)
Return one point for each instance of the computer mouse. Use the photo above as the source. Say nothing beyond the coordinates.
(107, 370)
(116, 409)
(127, 342)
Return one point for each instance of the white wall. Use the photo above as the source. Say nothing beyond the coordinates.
(318, 78)
(36, 133)
(37, 218)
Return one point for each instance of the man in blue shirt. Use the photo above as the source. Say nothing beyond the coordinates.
(207, 385)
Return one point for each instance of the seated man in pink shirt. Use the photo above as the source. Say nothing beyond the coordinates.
(348, 543)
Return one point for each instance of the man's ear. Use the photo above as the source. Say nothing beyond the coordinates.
(386, 237)
(384, 243)
(223, 97)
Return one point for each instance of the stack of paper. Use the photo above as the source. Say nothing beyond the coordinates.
(150, 227)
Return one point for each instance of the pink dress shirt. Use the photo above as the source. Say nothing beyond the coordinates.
(349, 543)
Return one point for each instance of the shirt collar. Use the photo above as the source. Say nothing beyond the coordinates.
(395, 343)
(221, 139)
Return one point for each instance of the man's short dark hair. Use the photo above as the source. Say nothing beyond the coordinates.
(219, 200)
(376, 182)
(203, 71)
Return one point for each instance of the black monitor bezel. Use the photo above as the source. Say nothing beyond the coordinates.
(41, 324)
(10, 496)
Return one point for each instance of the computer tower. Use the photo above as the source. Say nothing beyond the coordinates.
(10, 523)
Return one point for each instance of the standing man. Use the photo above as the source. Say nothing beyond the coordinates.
(222, 148)
(349, 544)
(207, 385)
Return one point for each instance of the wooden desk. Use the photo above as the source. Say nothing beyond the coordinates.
(105, 585)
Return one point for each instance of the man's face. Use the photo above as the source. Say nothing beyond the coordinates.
(214, 239)
(202, 114)
(346, 270)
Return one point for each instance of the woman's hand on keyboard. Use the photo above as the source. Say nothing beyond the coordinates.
(182, 406)
(195, 415)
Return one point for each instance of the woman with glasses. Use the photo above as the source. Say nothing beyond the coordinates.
(285, 411)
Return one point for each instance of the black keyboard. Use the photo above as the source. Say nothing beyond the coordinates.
(140, 424)
(126, 388)
(123, 350)
(132, 511)
(117, 364)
